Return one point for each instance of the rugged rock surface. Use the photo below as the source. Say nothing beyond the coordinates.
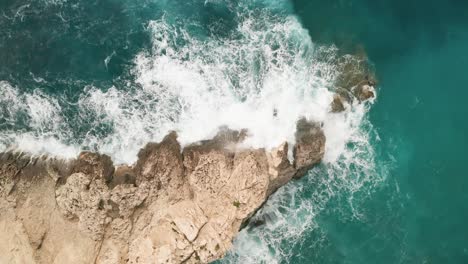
(361, 92)
(310, 146)
(356, 81)
(173, 206)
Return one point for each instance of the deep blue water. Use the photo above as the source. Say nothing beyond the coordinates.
(417, 212)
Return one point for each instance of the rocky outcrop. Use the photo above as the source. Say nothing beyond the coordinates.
(174, 205)
(310, 146)
(355, 83)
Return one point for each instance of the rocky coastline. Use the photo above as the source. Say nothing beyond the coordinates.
(174, 205)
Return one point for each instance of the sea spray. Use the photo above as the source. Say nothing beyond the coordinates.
(262, 77)
(288, 222)
(262, 73)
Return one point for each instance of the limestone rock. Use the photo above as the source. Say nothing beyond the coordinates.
(173, 205)
(162, 165)
(94, 164)
(85, 199)
(280, 168)
(123, 175)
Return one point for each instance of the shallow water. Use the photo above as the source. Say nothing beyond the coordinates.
(112, 75)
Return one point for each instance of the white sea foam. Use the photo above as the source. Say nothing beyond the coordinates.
(236, 82)
(194, 85)
(239, 82)
(290, 215)
(45, 145)
(43, 126)
(269, 64)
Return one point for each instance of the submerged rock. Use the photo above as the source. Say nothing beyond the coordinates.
(337, 104)
(364, 92)
(356, 81)
(173, 206)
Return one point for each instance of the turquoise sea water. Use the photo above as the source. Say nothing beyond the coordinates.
(419, 52)
(94, 75)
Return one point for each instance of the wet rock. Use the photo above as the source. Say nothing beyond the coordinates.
(310, 146)
(280, 168)
(337, 104)
(364, 92)
(356, 78)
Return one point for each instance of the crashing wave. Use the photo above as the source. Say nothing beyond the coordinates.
(263, 74)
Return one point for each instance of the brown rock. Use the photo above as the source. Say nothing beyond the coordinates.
(337, 104)
(310, 146)
(123, 175)
(356, 77)
(95, 165)
(280, 169)
(174, 205)
(161, 162)
(364, 92)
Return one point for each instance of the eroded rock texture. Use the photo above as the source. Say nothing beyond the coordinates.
(173, 206)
